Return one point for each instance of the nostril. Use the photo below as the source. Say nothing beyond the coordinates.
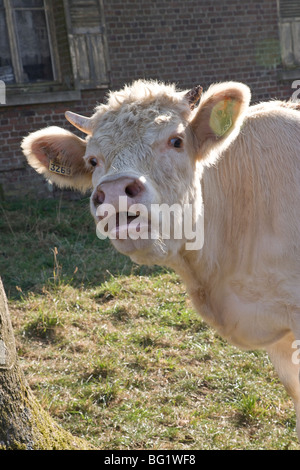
(98, 198)
(134, 188)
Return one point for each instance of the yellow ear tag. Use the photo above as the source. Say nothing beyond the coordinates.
(58, 169)
(221, 119)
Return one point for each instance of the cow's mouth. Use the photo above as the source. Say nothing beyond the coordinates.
(124, 225)
(125, 218)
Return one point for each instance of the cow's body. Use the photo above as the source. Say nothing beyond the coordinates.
(245, 280)
(250, 261)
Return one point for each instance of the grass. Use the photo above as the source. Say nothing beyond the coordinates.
(116, 353)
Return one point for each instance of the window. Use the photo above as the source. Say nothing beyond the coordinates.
(26, 52)
(289, 27)
(52, 49)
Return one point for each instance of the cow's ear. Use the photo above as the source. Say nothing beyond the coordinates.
(58, 155)
(218, 118)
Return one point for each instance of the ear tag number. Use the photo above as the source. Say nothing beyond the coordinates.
(59, 169)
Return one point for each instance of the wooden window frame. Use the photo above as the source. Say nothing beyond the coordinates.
(14, 48)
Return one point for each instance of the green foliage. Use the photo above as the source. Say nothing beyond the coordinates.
(116, 353)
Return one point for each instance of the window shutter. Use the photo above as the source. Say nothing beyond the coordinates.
(289, 27)
(86, 31)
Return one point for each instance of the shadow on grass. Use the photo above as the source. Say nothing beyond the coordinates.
(50, 241)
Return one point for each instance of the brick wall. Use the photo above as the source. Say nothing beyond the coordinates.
(196, 41)
(187, 42)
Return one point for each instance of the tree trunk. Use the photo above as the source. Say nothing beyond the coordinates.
(23, 423)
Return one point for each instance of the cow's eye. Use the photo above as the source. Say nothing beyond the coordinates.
(93, 161)
(176, 142)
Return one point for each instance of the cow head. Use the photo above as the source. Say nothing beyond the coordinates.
(145, 149)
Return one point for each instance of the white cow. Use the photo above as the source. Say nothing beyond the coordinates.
(150, 144)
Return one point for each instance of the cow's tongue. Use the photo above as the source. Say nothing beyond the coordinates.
(124, 217)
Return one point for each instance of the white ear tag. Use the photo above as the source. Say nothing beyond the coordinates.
(56, 167)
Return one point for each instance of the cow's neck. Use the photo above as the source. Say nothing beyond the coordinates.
(192, 269)
(203, 271)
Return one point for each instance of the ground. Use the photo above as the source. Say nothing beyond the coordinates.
(116, 353)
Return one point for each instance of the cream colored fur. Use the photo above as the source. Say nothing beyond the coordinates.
(243, 164)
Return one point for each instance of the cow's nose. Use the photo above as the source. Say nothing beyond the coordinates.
(109, 191)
